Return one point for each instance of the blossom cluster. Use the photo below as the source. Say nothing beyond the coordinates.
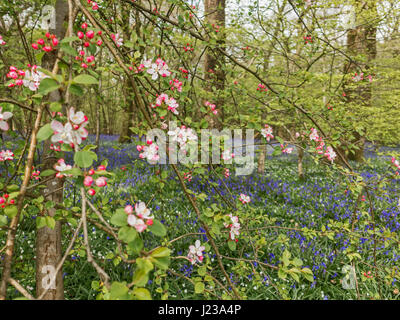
(30, 78)
(360, 77)
(212, 107)
(188, 48)
(149, 152)
(73, 131)
(286, 149)
(117, 39)
(244, 198)
(87, 39)
(142, 219)
(5, 200)
(226, 173)
(100, 182)
(6, 155)
(93, 5)
(35, 174)
(170, 102)
(176, 84)
(262, 87)
(396, 164)
(48, 44)
(3, 117)
(307, 39)
(234, 227)
(227, 155)
(159, 67)
(183, 136)
(267, 132)
(196, 252)
(60, 166)
(329, 153)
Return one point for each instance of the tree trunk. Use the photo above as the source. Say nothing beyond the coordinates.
(361, 40)
(300, 157)
(48, 241)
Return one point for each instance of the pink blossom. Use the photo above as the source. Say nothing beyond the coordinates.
(88, 181)
(101, 182)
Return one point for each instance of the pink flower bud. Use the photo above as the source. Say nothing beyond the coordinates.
(35, 46)
(90, 34)
(84, 26)
(128, 209)
(47, 48)
(91, 172)
(81, 35)
(101, 168)
(55, 42)
(40, 42)
(92, 192)
(88, 181)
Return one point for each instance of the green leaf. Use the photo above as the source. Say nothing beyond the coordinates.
(282, 273)
(140, 278)
(85, 79)
(69, 39)
(202, 271)
(74, 171)
(76, 90)
(199, 287)
(295, 276)
(141, 294)
(297, 262)
(3, 221)
(232, 245)
(161, 263)
(45, 132)
(161, 252)
(55, 106)
(136, 245)
(65, 47)
(144, 266)
(48, 85)
(40, 222)
(119, 291)
(127, 234)
(47, 173)
(50, 222)
(158, 229)
(11, 211)
(119, 218)
(84, 159)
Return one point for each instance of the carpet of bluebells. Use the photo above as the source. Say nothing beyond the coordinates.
(278, 193)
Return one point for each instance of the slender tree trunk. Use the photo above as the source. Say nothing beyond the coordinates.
(48, 241)
(300, 157)
(361, 40)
